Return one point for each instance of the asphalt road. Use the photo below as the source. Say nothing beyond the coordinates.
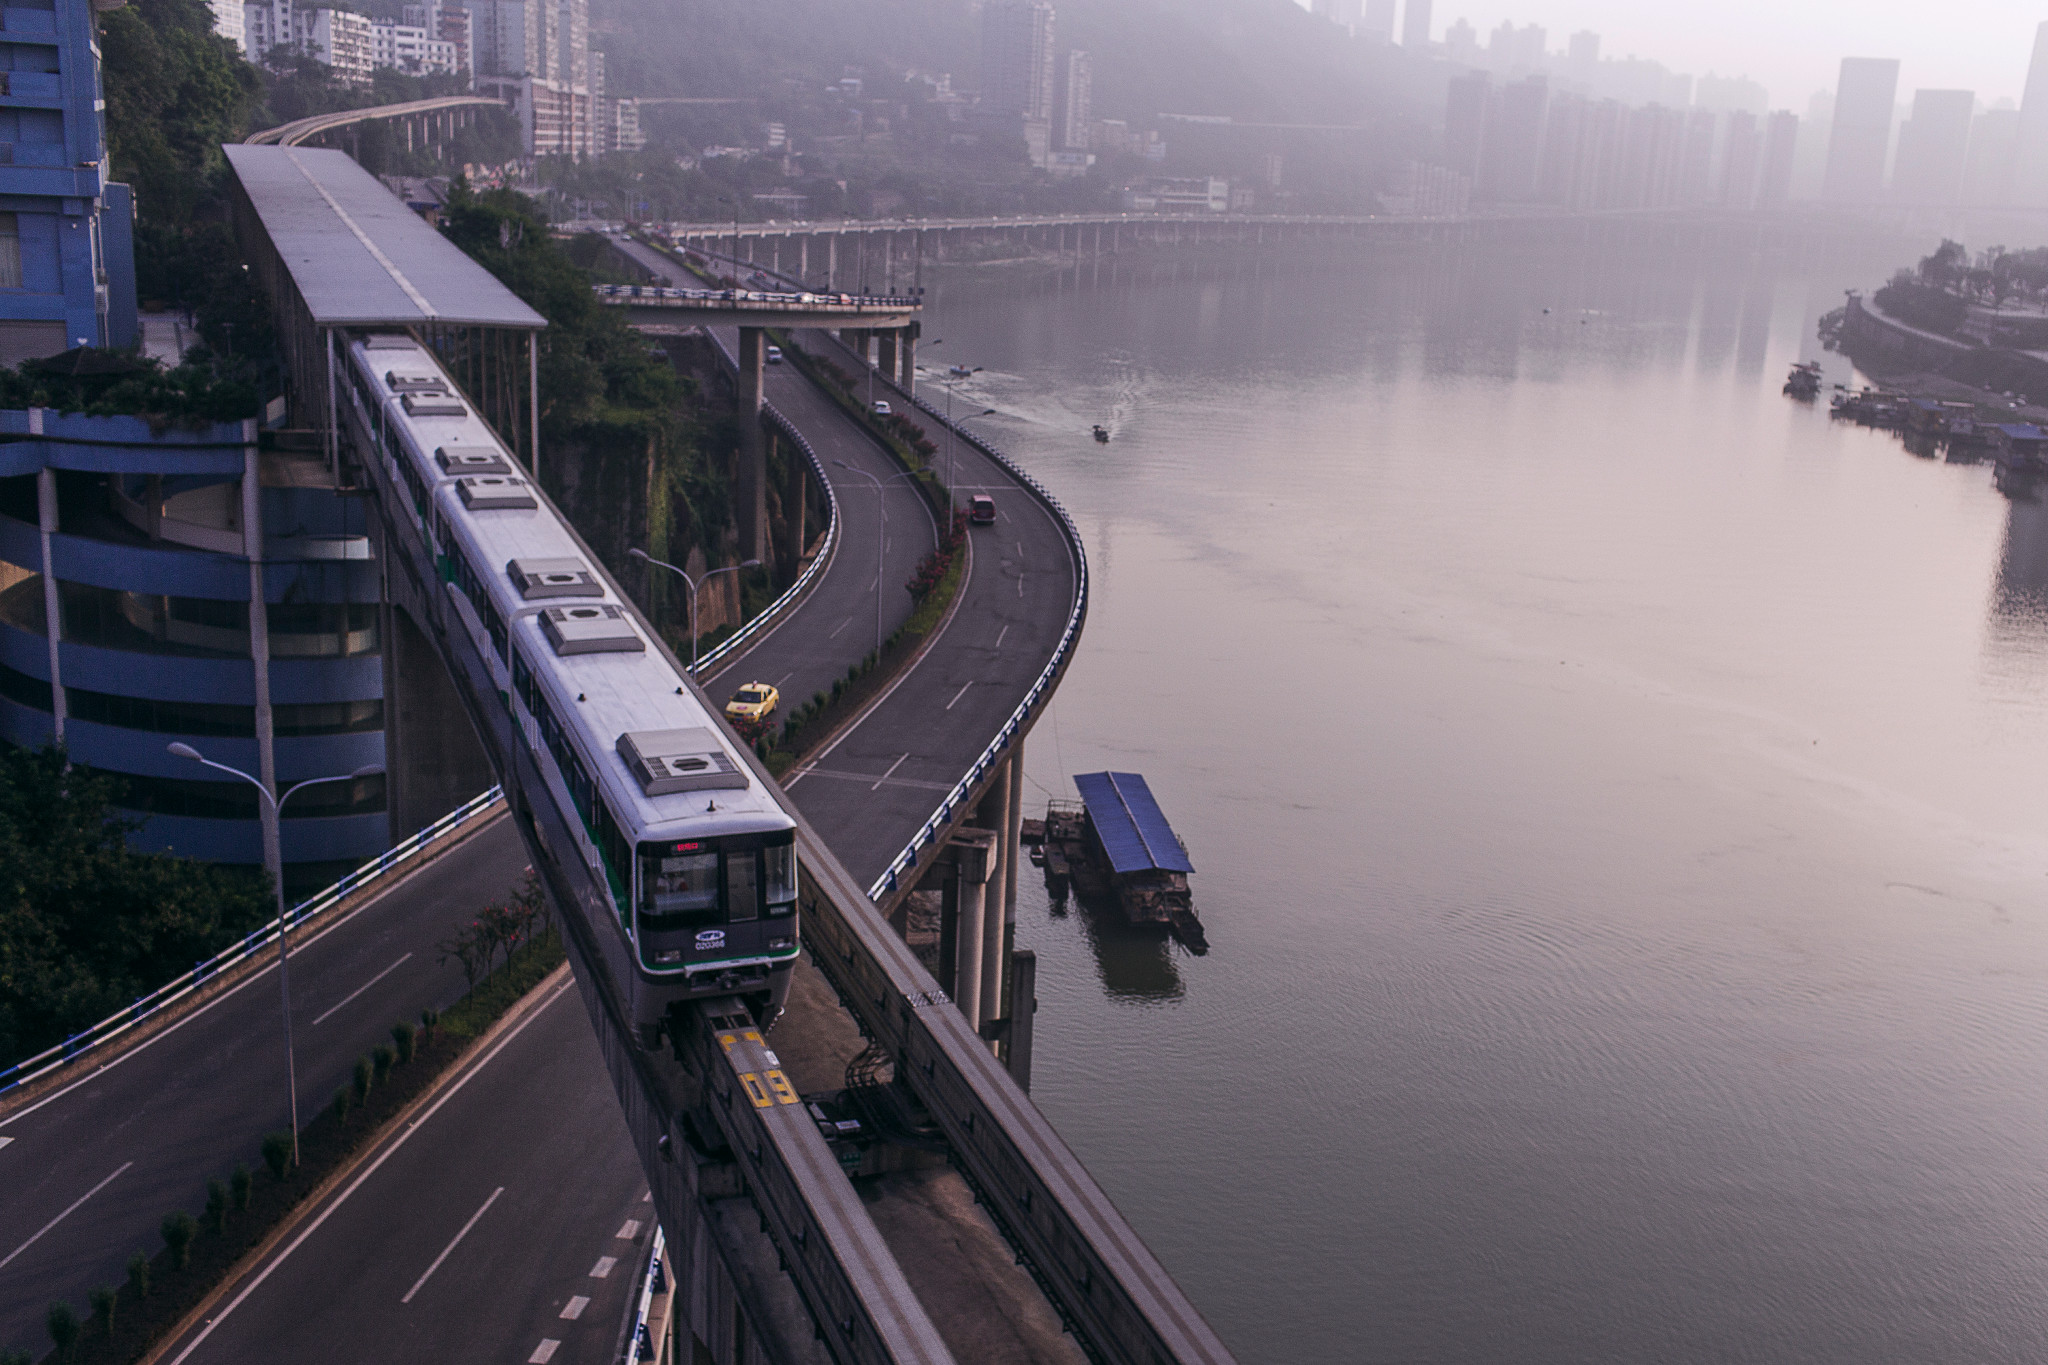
(869, 792)
(87, 1172)
(835, 625)
(453, 1243)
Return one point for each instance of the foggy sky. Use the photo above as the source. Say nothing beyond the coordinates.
(1792, 49)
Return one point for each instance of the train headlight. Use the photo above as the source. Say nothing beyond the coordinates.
(667, 957)
(781, 945)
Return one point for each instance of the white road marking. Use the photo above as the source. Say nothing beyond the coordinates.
(451, 1246)
(544, 1352)
(360, 989)
(66, 1214)
(368, 1171)
(1020, 585)
(573, 1309)
(647, 1198)
(961, 693)
(5, 1141)
(603, 1268)
(777, 684)
(1020, 549)
(628, 1231)
(887, 775)
(841, 626)
(1000, 634)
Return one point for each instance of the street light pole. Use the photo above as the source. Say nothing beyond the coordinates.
(284, 947)
(882, 541)
(694, 584)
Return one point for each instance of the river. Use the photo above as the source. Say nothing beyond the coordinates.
(1616, 794)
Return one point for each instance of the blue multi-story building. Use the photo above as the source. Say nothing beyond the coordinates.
(189, 585)
(67, 256)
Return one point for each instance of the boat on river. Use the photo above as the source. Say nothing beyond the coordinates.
(1102, 433)
(1804, 381)
(1114, 847)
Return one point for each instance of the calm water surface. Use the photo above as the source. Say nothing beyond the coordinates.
(1617, 794)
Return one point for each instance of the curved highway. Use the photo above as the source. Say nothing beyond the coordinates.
(92, 1168)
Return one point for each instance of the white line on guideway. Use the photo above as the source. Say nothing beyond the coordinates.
(452, 1245)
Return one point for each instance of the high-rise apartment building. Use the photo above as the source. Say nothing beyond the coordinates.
(1465, 122)
(1017, 59)
(1415, 25)
(535, 55)
(1073, 113)
(1741, 159)
(1860, 138)
(1376, 21)
(1934, 147)
(1987, 171)
(1781, 156)
(450, 24)
(227, 19)
(339, 39)
(2029, 182)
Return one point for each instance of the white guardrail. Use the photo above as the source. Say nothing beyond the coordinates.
(114, 1025)
(641, 1344)
(1040, 689)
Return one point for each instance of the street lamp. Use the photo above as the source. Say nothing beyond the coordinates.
(882, 541)
(284, 947)
(694, 584)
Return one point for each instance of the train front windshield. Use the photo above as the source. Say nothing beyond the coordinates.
(710, 900)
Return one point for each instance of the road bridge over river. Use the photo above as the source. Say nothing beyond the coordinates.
(894, 808)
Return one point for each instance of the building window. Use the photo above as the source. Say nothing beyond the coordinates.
(10, 251)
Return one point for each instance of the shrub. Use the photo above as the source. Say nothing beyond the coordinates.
(178, 1230)
(138, 1276)
(63, 1325)
(216, 1206)
(339, 1105)
(277, 1153)
(238, 1187)
(402, 1036)
(360, 1085)
(382, 1060)
(428, 1019)
(103, 1310)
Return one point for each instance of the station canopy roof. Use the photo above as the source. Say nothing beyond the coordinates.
(357, 255)
(1132, 828)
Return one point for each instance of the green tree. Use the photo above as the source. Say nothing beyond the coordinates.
(86, 923)
(175, 92)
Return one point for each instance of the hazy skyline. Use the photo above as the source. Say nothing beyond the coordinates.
(1979, 45)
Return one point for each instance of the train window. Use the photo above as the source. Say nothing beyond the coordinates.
(742, 886)
(778, 878)
(677, 889)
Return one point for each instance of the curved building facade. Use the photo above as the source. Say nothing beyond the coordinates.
(187, 585)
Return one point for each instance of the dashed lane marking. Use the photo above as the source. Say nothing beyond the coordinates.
(452, 1244)
(1000, 634)
(5, 1140)
(956, 697)
(360, 989)
(573, 1309)
(603, 1269)
(628, 1230)
(544, 1352)
(841, 626)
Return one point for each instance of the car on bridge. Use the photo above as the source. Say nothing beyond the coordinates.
(882, 408)
(755, 701)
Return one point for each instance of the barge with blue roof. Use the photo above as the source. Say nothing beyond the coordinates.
(1115, 845)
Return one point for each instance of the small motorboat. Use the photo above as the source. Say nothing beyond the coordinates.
(959, 371)
(1102, 433)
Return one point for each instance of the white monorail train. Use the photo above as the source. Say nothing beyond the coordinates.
(691, 862)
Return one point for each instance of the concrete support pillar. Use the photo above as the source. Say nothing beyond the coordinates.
(906, 359)
(803, 258)
(259, 645)
(974, 852)
(751, 483)
(1013, 840)
(1023, 1007)
(993, 815)
(885, 347)
(832, 262)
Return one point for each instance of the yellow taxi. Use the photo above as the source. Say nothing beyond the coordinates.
(752, 702)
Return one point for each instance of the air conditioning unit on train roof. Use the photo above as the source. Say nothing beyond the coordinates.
(433, 403)
(389, 341)
(669, 761)
(536, 578)
(400, 382)
(590, 630)
(492, 494)
(471, 460)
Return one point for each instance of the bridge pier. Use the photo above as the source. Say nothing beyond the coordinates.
(885, 352)
(994, 815)
(751, 478)
(906, 351)
(974, 867)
